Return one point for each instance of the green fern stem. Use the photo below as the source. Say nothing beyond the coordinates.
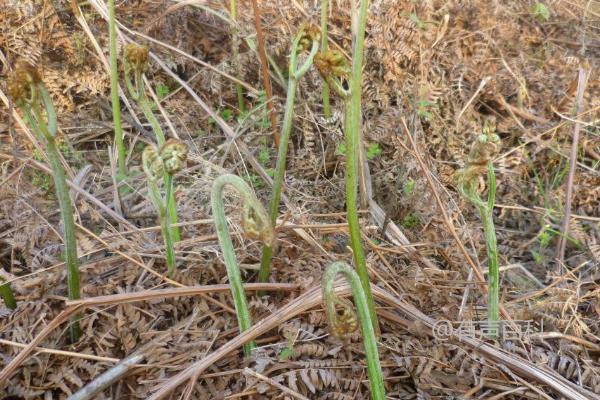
(114, 90)
(352, 137)
(489, 231)
(46, 134)
(367, 327)
(256, 225)
(468, 185)
(7, 295)
(138, 92)
(295, 73)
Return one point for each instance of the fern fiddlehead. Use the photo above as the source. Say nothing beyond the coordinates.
(256, 225)
(28, 92)
(167, 162)
(307, 39)
(135, 64)
(345, 323)
(332, 67)
(480, 162)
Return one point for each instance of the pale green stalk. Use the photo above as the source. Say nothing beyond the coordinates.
(256, 225)
(46, 134)
(352, 136)
(7, 295)
(330, 300)
(163, 217)
(236, 54)
(170, 160)
(138, 92)
(114, 89)
(468, 184)
(295, 73)
(324, 48)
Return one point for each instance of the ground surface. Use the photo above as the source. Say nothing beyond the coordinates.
(447, 68)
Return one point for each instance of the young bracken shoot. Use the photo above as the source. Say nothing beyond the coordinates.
(136, 62)
(28, 92)
(167, 161)
(332, 67)
(306, 39)
(345, 323)
(480, 161)
(114, 90)
(256, 225)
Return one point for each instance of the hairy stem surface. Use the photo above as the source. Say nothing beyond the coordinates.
(295, 73)
(366, 323)
(35, 120)
(352, 136)
(231, 264)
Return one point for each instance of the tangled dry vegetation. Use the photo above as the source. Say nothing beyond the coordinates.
(436, 73)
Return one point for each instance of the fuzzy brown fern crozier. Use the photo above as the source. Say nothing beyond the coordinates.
(29, 93)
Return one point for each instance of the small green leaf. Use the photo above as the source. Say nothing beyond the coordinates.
(227, 114)
(286, 353)
(340, 149)
(162, 91)
(373, 151)
(264, 155)
(420, 24)
(409, 187)
(540, 12)
(410, 221)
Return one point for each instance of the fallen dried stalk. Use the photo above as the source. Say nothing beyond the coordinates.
(264, 67)
(284, 389)
(562, 243)
(107, 378)
(75, 306)
(313, 297)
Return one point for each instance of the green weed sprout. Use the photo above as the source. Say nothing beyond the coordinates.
(479, 161)
(235, 50)
(307, 38)
(324, 49)
(28, 92)
(7, 295)
(166, 162)
(256, 225)
(136, 63)
(114, 89)
(344, 323)
(333, 69)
